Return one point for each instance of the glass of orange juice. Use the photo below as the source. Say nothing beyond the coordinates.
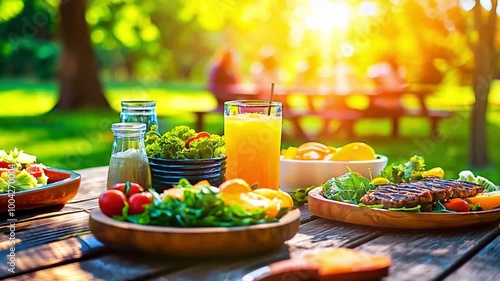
(252, 131)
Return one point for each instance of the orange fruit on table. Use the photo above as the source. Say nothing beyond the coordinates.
(354, 151)
(235, 186)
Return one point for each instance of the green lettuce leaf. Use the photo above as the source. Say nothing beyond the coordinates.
(349, 187)
(23, 180)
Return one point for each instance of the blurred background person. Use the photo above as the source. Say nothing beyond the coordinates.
(389, 79)
(267, 71)
(223, 77)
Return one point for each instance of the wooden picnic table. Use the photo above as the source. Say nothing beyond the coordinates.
(54, 243)
(330, 103)
(333, 105)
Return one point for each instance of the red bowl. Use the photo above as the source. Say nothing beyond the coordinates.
(62, 186)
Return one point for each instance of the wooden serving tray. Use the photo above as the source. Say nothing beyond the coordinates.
(194, 241)
(344, 212)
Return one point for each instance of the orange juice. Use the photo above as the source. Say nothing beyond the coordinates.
(253, 142)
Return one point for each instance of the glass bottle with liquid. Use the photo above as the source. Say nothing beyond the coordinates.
(129, 161)
(141, 112)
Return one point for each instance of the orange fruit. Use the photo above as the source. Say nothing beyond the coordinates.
(354, 151)
(285, 199)
(235, 186)
(311, 151)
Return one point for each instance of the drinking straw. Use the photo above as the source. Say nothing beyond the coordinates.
(270, 99)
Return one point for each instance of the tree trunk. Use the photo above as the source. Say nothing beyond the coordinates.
(484, 53)
(79, 84)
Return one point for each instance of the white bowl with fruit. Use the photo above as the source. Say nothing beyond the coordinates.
(313, 163)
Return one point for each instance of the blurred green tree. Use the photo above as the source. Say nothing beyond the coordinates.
(482, 37)
(79, 83)
(26, 34)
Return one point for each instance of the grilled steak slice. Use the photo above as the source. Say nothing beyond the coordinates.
(424, 193)
(439, 190)
(461, 189)
(397, 196)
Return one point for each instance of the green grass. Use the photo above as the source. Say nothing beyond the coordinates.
(83, 139)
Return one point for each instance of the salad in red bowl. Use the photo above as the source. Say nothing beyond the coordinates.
(21, 171)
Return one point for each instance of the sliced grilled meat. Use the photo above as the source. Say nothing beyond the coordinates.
(424, 193)
(397, 196)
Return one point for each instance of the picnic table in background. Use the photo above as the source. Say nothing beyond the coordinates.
(384, 87)
(54, 243)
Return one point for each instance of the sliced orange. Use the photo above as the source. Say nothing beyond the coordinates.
(235, 186)
(285, 199)
(311, 151)
(487, 201)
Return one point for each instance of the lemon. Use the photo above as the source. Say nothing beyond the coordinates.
(379, 181)
(354, 151)
(290, 153)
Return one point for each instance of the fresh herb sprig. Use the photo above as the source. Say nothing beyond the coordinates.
(300, 195)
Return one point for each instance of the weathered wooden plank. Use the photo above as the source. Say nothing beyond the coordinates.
(35, 232)
(322, 233)
(305, 214)
(484, 266)
(44, 212)
(110, 267)
(92, 184)
(43, 256)
(88, 204)
(427, 255)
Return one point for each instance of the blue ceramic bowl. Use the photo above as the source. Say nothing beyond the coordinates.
(165, 173)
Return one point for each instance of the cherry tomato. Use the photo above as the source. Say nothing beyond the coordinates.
(128, 188)
(198, 136)
(112, 202)
(4, 165)
(457, 205)
(35, 171)
(138, 202)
